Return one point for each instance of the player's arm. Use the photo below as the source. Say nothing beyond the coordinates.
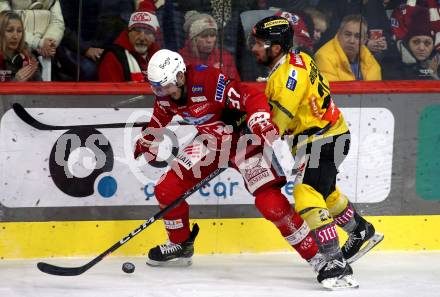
(254, 103)
(151, 133)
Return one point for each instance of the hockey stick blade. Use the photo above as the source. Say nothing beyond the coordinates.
(56, 270)
(73, 271)
(21, 112)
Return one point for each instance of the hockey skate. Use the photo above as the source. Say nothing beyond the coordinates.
(174, 254)
(364, 235)
(317, 262)
(336, 275)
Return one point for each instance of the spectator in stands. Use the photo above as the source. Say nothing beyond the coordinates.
(201, 44)
(16, 62)
(402, 17)
(345, 57)
(44, 25)
(379, 41)
(302, 26)
(101, 23)
(419, 59)
(127, 59)
(320, 24)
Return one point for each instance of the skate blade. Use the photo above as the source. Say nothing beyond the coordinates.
(179, 262)
(371, 243)
(343, 283)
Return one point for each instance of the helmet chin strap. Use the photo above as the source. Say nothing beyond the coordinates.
(269, 56)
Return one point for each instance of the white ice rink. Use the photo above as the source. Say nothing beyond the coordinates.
(380, 274)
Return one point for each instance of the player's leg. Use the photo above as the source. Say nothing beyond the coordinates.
(179, 248)
(188, 169)
(315, 183)
(275, 207)
(264, 178)
(362, 236)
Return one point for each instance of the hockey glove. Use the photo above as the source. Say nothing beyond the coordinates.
(148, 145)
(260, 123)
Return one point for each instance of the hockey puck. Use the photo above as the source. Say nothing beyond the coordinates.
(128, 267)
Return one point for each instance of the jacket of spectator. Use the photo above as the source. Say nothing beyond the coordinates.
(42, 19)
(115, 64)
(213, 60)
(195, 26)
(334, 64)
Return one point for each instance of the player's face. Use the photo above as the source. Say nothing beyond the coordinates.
(421, 46)
(258, 48)
(167, 90)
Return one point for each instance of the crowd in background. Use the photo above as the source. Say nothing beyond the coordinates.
(112, 40)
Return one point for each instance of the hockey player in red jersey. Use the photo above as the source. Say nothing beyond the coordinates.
(218, 108)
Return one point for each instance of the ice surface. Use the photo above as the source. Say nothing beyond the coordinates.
(380, 274)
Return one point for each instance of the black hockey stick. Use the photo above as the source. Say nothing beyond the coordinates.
(72, 271)
(21, 112)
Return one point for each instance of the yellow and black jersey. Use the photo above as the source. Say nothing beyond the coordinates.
(300, 99)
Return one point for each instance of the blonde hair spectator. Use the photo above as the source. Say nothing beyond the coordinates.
(16, 63)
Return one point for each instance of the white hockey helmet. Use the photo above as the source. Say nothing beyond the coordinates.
(162, 71)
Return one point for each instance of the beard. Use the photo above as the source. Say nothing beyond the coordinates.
(141, 48)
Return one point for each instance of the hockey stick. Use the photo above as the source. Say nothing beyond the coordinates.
(72, 271)
(21, 112)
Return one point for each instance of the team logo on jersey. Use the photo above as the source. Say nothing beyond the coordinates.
(394, 23)
(220, 90)
(199, 99)
(197, 89)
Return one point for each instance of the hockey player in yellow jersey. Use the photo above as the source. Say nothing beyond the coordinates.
(304, 111)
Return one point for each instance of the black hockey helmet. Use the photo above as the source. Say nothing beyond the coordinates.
(274, 30)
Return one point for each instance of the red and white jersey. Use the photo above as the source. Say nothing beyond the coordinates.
(209, 94)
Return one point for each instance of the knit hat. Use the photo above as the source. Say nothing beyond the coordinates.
(420, 24)
(196, 23)
(143, 19)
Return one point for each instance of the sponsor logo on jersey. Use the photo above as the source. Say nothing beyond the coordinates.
(192, 154)
(198, 121)
(297, 60)
(313, 72)
(220, 90)
(201, 67)
(291, 80)
(199, 99)
(197, 89)
(164, 103)
(199, 109)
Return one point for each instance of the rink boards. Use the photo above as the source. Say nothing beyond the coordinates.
(86, 204)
